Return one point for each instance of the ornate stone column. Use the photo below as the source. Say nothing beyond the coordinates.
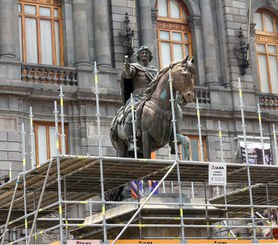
(91, 31)
(68, 33)
(102, 33)
(10, 67)
(81, 45)
(80, 32)
(208, 43)
(196, 33)
(7, 48)
(146, 27)
(155, 61)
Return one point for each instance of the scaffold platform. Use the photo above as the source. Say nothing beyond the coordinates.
(264, 195)
(81, 180)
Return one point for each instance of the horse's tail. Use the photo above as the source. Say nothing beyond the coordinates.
(114, 123)
(113, 129)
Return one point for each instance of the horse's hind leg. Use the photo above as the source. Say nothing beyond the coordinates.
(121, 148)
(146, 141)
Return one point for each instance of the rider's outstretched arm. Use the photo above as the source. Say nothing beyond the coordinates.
(128, 71)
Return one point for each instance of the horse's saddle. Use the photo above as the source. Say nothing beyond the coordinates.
(123, 116)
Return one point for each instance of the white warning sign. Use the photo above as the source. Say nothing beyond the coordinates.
(217, 174)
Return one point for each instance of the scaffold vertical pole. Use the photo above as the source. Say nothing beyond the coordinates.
(174, 121)
(247, 160)
(221, 142)
(32, 136)
(66, 208)
(275, 144)
(222, 161)
(199, 129)
(90, 207)
(10, 171)
(133, 125)
(269, 211)
(10, 211)
(59, 180)
(100, 155)
(24, 181)
(63, 144)
(206, 210)
(261, 131)
(221, 151)
(192, 190)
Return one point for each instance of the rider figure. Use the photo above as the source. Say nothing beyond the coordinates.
(136, 78)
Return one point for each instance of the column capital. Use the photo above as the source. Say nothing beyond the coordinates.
(66, 1)
(195, 22)
(154, 15)
(269, 2)
(252, 29)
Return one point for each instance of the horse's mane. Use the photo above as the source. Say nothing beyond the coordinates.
(152, 85)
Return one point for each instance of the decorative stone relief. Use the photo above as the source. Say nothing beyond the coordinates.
(269, 2)
(154, 15)
(252, 29)
(195, 22)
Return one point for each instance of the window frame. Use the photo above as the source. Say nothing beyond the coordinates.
(204, 142)
(36, 125)
(171, 25)
(266, 38)
(52, 4)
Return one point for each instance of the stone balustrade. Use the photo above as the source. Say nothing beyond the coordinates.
(49, 74)
(203, 93)
(268, 101)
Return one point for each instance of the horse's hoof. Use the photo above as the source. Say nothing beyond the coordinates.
(131, 147)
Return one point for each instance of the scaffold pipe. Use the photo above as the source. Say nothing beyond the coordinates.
(99, 136)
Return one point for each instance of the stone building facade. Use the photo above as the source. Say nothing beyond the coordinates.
(89, 32)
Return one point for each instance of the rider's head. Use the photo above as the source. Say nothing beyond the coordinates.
(141, 50)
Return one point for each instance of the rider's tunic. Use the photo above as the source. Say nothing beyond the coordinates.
(137, 81)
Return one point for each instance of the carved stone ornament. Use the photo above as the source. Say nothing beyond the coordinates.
(269, 2)
(252, 29)
(195, 22)
(154, 15)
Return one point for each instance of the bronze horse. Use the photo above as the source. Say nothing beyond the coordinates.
(153, 112)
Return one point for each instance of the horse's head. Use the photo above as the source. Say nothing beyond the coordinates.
(183, 79)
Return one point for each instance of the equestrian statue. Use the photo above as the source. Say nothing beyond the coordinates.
(151, 98)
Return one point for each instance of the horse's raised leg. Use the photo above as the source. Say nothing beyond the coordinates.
(146, 141)
(185, 142)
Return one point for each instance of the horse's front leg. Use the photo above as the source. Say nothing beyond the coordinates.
(146, 142)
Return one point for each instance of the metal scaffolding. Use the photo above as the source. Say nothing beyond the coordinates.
(27, 202)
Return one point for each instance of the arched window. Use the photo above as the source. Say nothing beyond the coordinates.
(267, 50)
(40, 26)
(173, 32)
